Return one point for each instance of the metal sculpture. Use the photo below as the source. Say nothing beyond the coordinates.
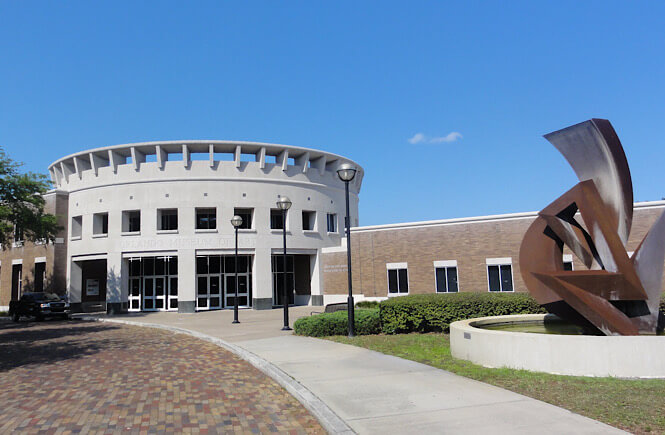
(618, 294)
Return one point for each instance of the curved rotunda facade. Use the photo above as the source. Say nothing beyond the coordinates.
(148, 224)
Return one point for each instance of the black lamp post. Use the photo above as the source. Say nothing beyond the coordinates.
(236, 221)
(284, 203)
(346, 172)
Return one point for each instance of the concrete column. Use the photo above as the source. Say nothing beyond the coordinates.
(316, 285)
(186, 280)
(262, 280)
(74, 282)
(116, 284)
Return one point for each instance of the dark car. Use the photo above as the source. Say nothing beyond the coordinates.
(39, 305)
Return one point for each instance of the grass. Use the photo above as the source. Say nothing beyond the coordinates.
(634, 405)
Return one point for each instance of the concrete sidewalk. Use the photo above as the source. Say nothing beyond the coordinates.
(376, 393)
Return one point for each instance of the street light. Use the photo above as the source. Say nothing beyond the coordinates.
(284, 203)
(346, 172)
(236, 221)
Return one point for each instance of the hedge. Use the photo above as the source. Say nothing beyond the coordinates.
(367, 304)
(435, 312)
(323, 325)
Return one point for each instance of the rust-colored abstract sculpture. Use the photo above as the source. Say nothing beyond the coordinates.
(618, 294)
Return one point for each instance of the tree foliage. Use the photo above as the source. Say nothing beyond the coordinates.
(22, 204)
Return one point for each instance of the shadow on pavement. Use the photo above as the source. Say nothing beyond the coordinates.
(45, 342)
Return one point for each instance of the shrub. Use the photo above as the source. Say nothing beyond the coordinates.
(322, 325)
(435, 312)
(368, 304)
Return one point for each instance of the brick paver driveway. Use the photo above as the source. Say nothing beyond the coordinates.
(61, 377)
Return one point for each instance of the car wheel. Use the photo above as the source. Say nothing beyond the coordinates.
(66, 317)
(16, 317)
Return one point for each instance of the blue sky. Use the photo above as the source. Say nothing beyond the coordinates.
(479, 83)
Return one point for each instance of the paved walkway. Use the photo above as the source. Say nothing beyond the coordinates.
(83, 377)
(375, 393)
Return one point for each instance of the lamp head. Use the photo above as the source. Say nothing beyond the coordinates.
(346, 172)
(284, 203)
(236, 221)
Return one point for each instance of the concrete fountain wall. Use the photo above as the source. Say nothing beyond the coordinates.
(576, 355)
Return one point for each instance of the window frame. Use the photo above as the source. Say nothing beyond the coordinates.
(311, 214)
(160, 220)
(283, 216)
(498, 262)
(397, 267)
(335, 221)
(445, 264)
(241, 211)
(98, 223)
(198, 210)
(568, 258)
(78, 220)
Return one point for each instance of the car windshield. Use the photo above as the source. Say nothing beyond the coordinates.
(46, 297)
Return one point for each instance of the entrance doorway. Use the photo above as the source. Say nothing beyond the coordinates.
(153, 284)
(17, 276)
(298, 278)
(216, 281)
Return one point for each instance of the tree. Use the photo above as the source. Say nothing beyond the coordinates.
(22, 204)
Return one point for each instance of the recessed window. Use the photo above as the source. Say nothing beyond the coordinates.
(206, 218)
(276, 219)
(398, 278)
(445, 273)
(100, 223)
(131, 221)
(167, 219)
(567, 262)
(246, 215)
(308, 220)
(332, 222)
(500, 275)
(77, 227)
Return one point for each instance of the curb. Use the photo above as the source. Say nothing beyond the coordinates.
(330, 421)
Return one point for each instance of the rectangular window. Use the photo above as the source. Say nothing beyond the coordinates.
(276, 219)
(568, 261)
(167, 219)
(332, 222)
(206, 218)
(246, 215)
(445, 273)
(308, 220)
(100, 223)
(499, 276)
(398, 278)
(77, 227)
(131, 221)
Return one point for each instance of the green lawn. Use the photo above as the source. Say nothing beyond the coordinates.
(634, 405)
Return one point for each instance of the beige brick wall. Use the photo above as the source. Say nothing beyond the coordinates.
(56, 257)
(470, 244)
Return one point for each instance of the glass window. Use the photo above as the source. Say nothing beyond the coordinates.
(332, 222)
(398, 281)
(131, 221)
(246, 215)
(100, 223)
(308, 220)
(446, 279)
(206, 218)
(567, 265)
(500, 278)
(168, 219)
(276, 220)
(77, 226)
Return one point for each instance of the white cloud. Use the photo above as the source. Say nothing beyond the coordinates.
(417, 138)
(422, 138)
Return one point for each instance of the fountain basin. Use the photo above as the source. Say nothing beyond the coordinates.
(575, 355)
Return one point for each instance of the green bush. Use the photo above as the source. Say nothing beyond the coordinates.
(435, 312)
(323, 325)
(368, 304)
